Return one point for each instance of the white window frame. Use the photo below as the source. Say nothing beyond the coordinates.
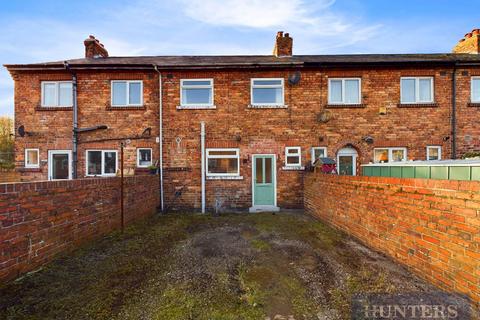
(252, 86)
(210, 86)
(343, 91)
(57, 94)
(312, 156)
(390, 152)
(439, 152)
(38, 158)
(236, 156)
(471, 88)
(417, 89)
(127, 93)
(138, 157)
(298, 153)
(103, 174)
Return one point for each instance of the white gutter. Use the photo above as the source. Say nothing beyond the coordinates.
(160, 144)
(202, 142)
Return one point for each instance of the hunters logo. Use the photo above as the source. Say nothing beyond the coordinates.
(431, 305)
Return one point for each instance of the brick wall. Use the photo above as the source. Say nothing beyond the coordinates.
(232, 124)
(9, 175)
(431, 226)
(39, 220)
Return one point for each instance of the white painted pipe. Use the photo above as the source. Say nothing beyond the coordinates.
(202, 141)
(160, 147)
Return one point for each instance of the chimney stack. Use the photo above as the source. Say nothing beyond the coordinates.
(283, 45)
(94, 49)
(469, 44)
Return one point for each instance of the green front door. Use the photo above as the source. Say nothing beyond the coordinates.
(263, 180)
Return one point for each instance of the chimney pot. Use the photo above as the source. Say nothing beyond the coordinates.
(469, 44)
(94, 49)
(283, 45)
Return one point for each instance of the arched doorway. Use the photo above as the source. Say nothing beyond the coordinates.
(347, 161)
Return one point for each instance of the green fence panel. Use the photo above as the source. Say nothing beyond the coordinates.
(422, 172)
(459, 173)
(439, 173)
(408, 172)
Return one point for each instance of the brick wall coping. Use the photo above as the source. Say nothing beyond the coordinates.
(68, 184)
(408, 182)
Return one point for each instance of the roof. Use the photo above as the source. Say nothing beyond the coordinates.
(252, 61)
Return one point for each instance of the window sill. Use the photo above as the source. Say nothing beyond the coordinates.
(30, 169)
(474, 104)
(346, 105)
(192, 107)
(267, 106)
(224, 177)
(122, 108)
(417, 105)
(40, 108)
(293, 168)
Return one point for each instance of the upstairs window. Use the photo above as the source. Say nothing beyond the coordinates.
(57, 94)
(32, 159)
(390, 155)
(196, 92)
(416, 90)
(144, 157)
(267, 92)
(293, 156)
(101, 162)
(318, 152)
(223, 162)
(344, 91)
(434, 153)
(475, 90)
(127, 93)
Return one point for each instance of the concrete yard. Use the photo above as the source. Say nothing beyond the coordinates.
(233, 266)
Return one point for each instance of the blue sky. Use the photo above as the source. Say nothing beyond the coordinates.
(36, 31)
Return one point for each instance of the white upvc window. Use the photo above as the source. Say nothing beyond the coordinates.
(32, 158)
(344, 90)
(267, 91)
(101, 162)
(434, 153)
(57, 94)
(416, 90)
(196, 92)
(144, 157)
(318, 152)
(389, 155)
(293, 156)
(223, 162)
(475, 90)
(127, 93)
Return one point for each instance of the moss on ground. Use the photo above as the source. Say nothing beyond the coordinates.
(185, 266)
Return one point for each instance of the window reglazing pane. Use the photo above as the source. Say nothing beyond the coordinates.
(94, 162)
(381, 155)
(336, 91)
(222, 153)
(145, 157)
(318, 153)
(135, 93)
(408, 90)
(475, 90)
(196, 83)
(425, 90)
(267, 82)
(293, 160)
(268, 170)
(65, 94)
(259, 170)
(32, 158)
(398, 155)
(267, 95)
(352, 91)
(49, 94)
(433, 153)
(110, 162)
(119, 93)
(223, 165)
(196, 96)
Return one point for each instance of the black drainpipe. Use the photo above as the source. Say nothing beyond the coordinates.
(75, 121)
(454, 111)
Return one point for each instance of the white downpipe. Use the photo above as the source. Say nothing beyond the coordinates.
(160, 144)
(202, 139)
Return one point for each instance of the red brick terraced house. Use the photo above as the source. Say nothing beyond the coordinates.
(264, 118)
